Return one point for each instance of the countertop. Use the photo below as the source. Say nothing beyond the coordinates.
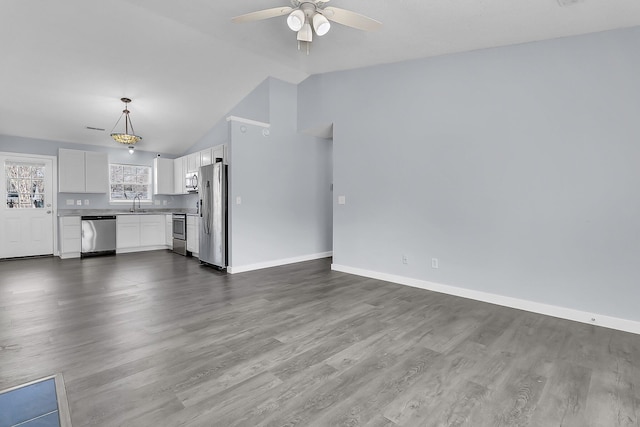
(96, 212)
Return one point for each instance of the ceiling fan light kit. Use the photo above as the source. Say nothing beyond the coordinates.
(309, 16)
(321, 25)
(305, 34)
(295, 20)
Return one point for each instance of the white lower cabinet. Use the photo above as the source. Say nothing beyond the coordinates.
(70, 237)
(140, 233)
(193, 234)
(168, 229)
(152, 230)
(127, 231)
(133, 233)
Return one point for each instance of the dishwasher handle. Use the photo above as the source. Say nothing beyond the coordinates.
(98, 217)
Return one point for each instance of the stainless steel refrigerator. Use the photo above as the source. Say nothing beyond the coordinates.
(212, 191)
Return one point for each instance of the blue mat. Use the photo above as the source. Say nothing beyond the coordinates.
(33, 405)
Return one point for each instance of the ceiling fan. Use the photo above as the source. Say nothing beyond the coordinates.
(309, 16)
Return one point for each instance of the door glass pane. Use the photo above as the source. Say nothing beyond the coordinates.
(25, 185)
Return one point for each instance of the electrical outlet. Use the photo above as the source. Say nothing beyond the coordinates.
(79, 202)
(86, 202)
(69, 202)
(156, 202)
(434, 262)
(164, 203)
(405, 259)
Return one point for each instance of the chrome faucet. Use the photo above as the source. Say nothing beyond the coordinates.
(137, 196)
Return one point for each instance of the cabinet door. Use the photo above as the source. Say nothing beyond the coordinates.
(191, 233)
(163, 177)
(70, 240)
(178, 175)
(127, 231)
(196, 233)
(96, 172)
(168, 229)
(193, 162)
(206, 157)
(218, 153)
(152, 230)
(71, 177)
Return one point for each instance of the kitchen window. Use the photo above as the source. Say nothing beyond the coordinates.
(127, 181)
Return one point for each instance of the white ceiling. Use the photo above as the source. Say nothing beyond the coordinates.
(65, 64)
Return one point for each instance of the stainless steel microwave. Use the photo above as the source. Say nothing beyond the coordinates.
(191, 182)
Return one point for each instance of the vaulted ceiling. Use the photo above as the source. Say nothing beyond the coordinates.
(65, 64)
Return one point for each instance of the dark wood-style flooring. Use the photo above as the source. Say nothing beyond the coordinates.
(155, 339)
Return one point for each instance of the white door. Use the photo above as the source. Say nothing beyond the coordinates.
(27, 216)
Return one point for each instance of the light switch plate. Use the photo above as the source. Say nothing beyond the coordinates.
(238, 200)
(69, 202)
(342, 200)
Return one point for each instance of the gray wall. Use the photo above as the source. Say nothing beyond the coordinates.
(516, 167)
(284, 182)
(254, 106)
(119, 154)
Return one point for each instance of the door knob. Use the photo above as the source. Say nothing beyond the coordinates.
(48, 211)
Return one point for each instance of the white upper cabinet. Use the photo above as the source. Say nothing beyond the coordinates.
(96, 167)
(206, 157)
(179, 172)
(169, 176)
(71, 171)
(219, 153)
(193, 162)
(163, 177)
(82, 171)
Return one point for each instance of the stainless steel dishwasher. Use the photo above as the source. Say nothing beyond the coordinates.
(98, 235)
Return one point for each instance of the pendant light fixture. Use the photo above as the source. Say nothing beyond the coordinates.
(126, 137)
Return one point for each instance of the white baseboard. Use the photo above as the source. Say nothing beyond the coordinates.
(69, 255)
(140, 249)
(532, 306)
(277, 262)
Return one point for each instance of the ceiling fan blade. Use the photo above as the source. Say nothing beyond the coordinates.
(350, 19)
(262, 14)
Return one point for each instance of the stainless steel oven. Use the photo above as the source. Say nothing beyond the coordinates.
(179, 233)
